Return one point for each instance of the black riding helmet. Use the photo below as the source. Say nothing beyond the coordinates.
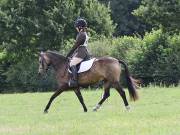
(80, 23)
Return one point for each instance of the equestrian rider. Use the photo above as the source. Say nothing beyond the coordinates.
(79, 51)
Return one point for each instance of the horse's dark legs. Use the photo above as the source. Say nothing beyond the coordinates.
(78, 94)
(105, 96)
(121, 92)
(58, 92)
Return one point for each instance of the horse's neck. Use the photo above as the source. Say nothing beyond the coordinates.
(58, 63)
(61, 70)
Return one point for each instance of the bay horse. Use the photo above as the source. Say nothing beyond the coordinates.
(105, 69)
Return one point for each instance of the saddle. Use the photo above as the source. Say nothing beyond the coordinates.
(84, 66)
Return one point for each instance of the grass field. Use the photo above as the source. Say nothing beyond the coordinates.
(156, 113)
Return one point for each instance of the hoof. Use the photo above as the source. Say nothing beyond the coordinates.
(45, 111)
(128, 108)
(85, 110)
(96, 108)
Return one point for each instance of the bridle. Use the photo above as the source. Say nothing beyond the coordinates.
(42, 62)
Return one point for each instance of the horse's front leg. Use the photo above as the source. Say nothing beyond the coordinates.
(78, 94)
(57, 93)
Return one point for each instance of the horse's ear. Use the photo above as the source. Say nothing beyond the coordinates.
(39, 54)
(40, 51)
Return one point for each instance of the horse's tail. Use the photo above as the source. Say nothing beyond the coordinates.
(130, 83)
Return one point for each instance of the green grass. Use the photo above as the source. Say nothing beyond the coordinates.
(156, 113)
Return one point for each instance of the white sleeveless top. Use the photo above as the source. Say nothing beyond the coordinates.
(86, 41)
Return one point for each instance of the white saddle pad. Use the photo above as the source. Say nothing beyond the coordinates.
(86, 65)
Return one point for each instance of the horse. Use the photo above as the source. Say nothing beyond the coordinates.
(106, 69)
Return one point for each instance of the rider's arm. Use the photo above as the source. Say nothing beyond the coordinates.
(81, 38)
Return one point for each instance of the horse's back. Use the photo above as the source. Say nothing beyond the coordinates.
(104, 68)
(109, 65)
(107, 59)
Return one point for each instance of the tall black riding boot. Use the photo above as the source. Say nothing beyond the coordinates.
(74, 78)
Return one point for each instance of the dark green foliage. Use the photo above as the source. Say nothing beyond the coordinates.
(159, 59)
(127, 23)
(121, 48)
(101, 47)
(161, 13)
(23, 77)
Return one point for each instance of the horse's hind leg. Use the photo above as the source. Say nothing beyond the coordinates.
(78, 94)
(106, 94)
(121, 92)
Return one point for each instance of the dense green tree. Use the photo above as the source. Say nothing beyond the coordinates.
(2, 2)
(158, 60)
(26, 25)
(161, 13)
(127, 23)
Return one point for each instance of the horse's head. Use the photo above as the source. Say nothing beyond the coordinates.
(54, 59)
(44, 63)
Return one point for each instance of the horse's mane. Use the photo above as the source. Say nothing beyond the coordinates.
(56, 54)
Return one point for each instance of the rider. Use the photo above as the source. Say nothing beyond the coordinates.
(79, 51)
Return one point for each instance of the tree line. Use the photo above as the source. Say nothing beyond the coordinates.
(146, 33)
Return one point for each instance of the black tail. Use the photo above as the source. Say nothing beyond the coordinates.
(130, 84)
